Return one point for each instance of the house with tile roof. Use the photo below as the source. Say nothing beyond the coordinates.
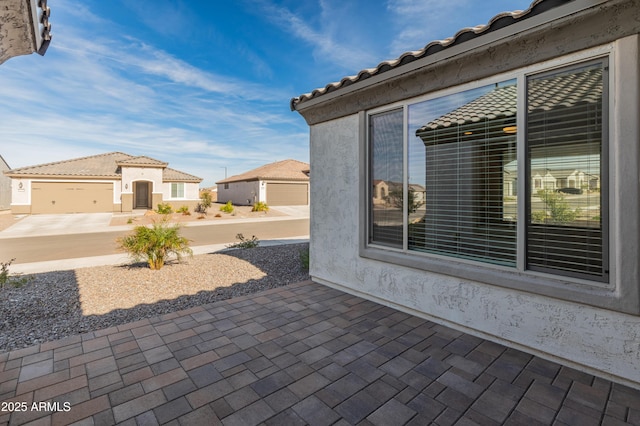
(111, 182)
(283, 183)
(524, 134)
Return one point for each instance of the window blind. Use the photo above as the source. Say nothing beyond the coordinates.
(567, 177)
(386, 179)
(470, 174)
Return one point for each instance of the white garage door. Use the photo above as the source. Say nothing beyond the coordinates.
(287, 194)
(71, 197)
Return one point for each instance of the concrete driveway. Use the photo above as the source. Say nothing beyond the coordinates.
(57, 224)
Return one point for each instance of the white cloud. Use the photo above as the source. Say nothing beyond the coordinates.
(326, 35)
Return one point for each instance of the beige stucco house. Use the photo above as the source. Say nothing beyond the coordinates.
(548, 96)
(111, 182)
(283, 183)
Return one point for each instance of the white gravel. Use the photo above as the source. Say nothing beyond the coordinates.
(58, 304)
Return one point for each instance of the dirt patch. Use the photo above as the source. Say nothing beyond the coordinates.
(214, 214)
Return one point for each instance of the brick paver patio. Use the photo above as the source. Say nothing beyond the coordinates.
(301, 354)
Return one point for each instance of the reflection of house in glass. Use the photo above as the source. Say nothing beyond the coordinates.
(559, 180)
(471, 170)
(384, 193)
(466, 154)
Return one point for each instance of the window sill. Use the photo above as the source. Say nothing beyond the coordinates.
(592, 293)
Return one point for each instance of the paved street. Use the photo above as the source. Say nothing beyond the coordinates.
(69, 246)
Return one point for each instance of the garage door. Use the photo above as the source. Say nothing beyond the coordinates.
(69, 197)
(287, 194)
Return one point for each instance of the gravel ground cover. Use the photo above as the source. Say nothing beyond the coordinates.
(58, 304)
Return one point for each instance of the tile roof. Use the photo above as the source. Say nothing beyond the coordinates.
(98, 166)
(142, 161)
(173, 175)
(280, 170)
(499, 103)
(499, 21)
(562, 91)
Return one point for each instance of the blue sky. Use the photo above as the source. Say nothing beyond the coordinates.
(203, 85)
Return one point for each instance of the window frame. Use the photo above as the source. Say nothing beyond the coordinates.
(178, 186)
(612, 294)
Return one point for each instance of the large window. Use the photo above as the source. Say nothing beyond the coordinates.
(447, 183)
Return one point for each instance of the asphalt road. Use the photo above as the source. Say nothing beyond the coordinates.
(71, 246)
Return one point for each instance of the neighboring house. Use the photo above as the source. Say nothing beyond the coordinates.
(24, 28)
(5, 186)
(548, 96)
(111, 182)
(283, 183)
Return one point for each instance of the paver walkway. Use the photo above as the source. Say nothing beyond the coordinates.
(301, 354)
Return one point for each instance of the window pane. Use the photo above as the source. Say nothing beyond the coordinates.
(385, 208)
(177, 190)
(463, 174)
(564, 139)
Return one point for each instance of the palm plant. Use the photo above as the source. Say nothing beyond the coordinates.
(155, 244)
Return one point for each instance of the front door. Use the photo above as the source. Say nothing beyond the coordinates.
(141, 195)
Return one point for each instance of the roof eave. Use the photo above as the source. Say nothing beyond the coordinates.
(483, 40)
(29, 31)
(54, 176)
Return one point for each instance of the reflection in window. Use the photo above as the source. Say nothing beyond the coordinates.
(564, 136)
(385, 208)
(462, 166)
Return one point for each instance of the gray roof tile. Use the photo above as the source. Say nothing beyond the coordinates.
(562, 91)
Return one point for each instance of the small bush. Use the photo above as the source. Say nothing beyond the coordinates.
(227, 208)
(304, 258)
(8, 280)
(205, 199)
(205, 202)
(260, 206)
(155, 244)
(184, 210)
(244, 243)
(164, 208)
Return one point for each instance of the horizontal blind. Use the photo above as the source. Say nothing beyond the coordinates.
(470, 174)
(565, 167)
(386, 178)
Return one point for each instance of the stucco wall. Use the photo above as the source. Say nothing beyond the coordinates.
(5, 187)
(191, 192)
(240, 193)
(596, 340)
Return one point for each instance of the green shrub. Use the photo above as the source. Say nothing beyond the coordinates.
(155, 244)
(8, 280)
(304, 258)
(205, 199)
(227, 208)
(244, 243)
(205, 202)
(184, 210)
(164, 208)
(557, 209)
(260, 206)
